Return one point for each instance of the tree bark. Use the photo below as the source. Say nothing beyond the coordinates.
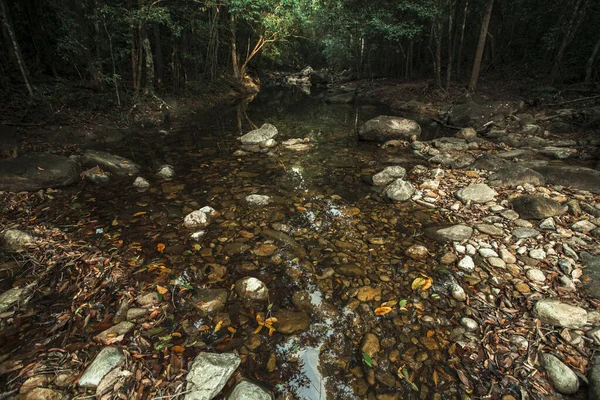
(481, 45)
(572, 27)
(462, 38)
(437, 64)
(15, 46)
(234, 55)
(589, 66)
(149, 88)
(158, 55)
(450, 47)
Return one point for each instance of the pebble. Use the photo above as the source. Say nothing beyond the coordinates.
(520, 342)
(140, 184)
(208, 374)
(108, 359)
(251, 289)
(417, 252)
(466, 264)
(258, 200)
(583, 226)
(507, 256)
(491, 230)
(486, 253)
(547, 224)
(556, 313)
(469, 324)
(459, 248)
(536, 275)
(537, 254)
(370, 344)
(563, 379)
(510, 215)
(524, 233)
(522, 287)
(458, 293)
(471, 250)
(496, 262)
(594, 334)
(166, 172)
(569, 252)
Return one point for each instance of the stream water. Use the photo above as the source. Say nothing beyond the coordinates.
(341, 258)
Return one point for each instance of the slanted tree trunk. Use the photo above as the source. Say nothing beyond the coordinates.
(589, 66)
(15, 46)
(462, 38)
(572, 27)
(234, 54)
(158, 55)
(481, 45)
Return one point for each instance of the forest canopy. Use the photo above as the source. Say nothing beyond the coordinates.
(139, 46)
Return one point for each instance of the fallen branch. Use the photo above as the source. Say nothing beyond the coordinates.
(562, 103)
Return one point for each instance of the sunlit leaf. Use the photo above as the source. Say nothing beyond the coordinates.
(160, 247)
(137, 214)
(367, 359)
(403, 303)
(178, 349)
(382, 310)
(218, 326)
(161, 289)
(418, 283)
(435, 378)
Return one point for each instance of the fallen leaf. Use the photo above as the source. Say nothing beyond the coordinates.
(160, 247)
(177, 349)
(218, 326)
(382, 310)
(137, 214)
(161, 289)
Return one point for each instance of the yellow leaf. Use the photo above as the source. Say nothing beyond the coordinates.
(160, 247)
(137, 214)
(161, 289)
(231, 329)
(427, 284)
(197, 247)
(177, 349)
(382, 310)
(218, 326)
(418, 283)
(430, 333)
(435, 378)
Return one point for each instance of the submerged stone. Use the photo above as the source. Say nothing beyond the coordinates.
(449, 233)
(385, 127)
(262, 134)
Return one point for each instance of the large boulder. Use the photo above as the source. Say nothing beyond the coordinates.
(556, 313)
(114, 164)
(246, 390)
(577, 177)
(33, 172)
(537, 207)
(320, 78)
(260, 135)
(515, 175)
(385, 127)
(476, 114)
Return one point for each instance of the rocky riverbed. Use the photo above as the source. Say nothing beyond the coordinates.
(300, 263)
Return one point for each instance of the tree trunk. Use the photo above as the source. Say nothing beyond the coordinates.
(234, 56)
(572, 27)
(450, 47)
(462, 38)
(437, 36)
(481, 45)
(149, 89)
(133, 53)
(15, 46)
(589, 66)
(158, 55)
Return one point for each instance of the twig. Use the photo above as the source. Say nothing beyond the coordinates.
(562, 103)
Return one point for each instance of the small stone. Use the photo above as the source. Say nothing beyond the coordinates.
(208, 374)
(258, 200)
(486, 253)
(460, 249)
(471, 250)
(537, 254)
(148, 299)
(246, 390)
(569, 252)
(594, 334)
(510, 215)
(488, 229)
(399, 190)
(537, 207)
(496, 262)
(524, 233)
(519, 341)
(566, 283)
(535, 275)
(140, 184)
(547, 224)
(388, 175)
(458, 293)
(166, 172)
(522, 287)
(289, 322)
(368, 293)
(565, 381)
(466, 133)
(583, 226)
(210, 301)
(477, 193)
(200, 218)
(469, 324)
(452, 233)
(370, 344)
(565, 266)
(556, 313)
(448, 258)
(507, 256)
(110, 334)
(417, 252)
(108, 359)
(251, 289)
(467, 264)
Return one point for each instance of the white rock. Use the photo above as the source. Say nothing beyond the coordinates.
(399, 190)
(196, 236)
(486, 253)
(583, 226)
(16, 240)
(496, 262)
(507, 256)
(265, 132)
(140, 184)
(469, 323)
(458, 293)
(554, 312)
(537, 254)
(250, 288)
(536, 275)
(466, 264)
(200, 218)
(209, 373)
(258, 200)
(471, 250)
(166, 172)
(547, 224)
(477, 193)
(388, 175)
(459, 248)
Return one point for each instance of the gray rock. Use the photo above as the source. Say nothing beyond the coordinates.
(594, 379)
(252, 289)
(33, 172)
(458, 293)
(514, 176)
(491, 230)
(486, 253)
(388, 175)
(563, 379)
(490, 162)
(15, 241)
(591, 274)
(14, 296)
(122, 328)
(583, 226)
(462, 161)
(449, 143)
(200, 218)
(558, 153)
(565, 266)
(466, 264)
(572, 176)
(399, 190)
(140, 184)
(556, 313)
(594, 334)
(210, 301)
(537, 254)
(510, 215)
(547, 224)
(265, 132)
(258, 200)
(469, 324)
(384, 128)
(536, 275)
(209, 373)
(246, 390)
(477, 193)
(166, 172)
(114, 164)
(496, 262)
(537, 207)
(449, 233)
(108, 359)
(524, 233)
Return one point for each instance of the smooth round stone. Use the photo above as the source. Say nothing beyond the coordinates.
(458, 293)
(469, 324)
(489, 229)
(536, 275)
(524, 233)
(563, 379)
(522, 287)
(507, 256)
(496, 262)
(486, 253)
(537, 254)
(510, 215)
